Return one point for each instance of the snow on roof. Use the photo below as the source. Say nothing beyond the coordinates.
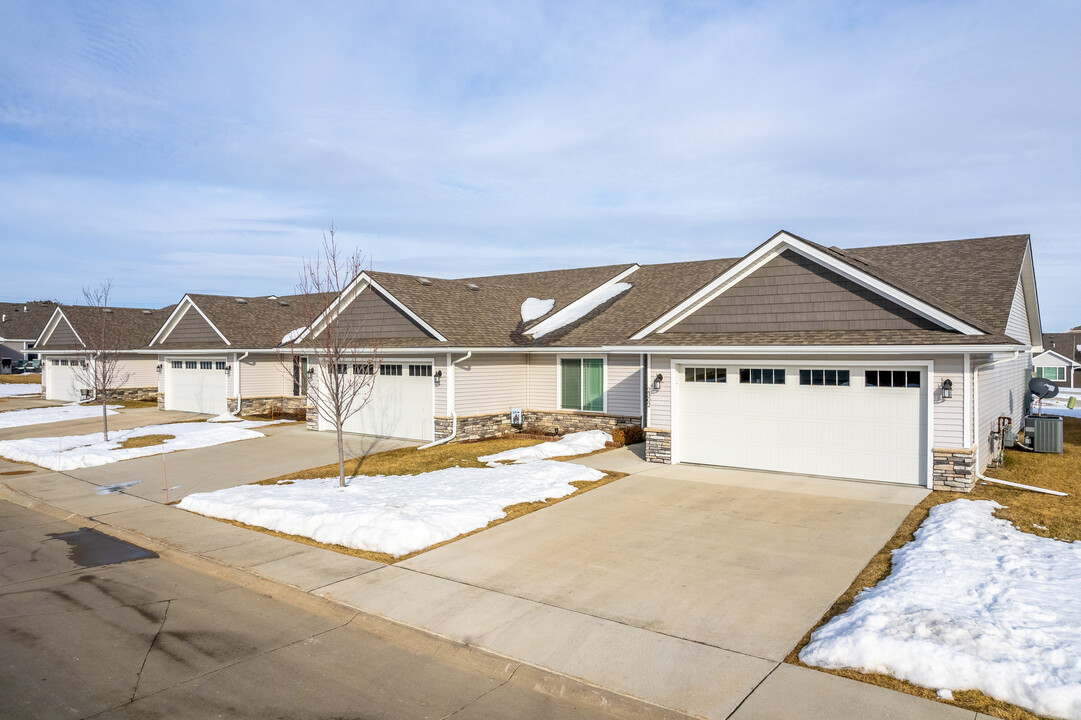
(293, 335)
(534, 308)
(577, 310)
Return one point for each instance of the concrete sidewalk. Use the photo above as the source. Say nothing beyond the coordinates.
(647, 664)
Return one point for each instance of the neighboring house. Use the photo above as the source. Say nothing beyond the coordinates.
(1057, 368)
(1067, 345)
(73, 332)
(885, 363)
(20, 326)
(221, 354)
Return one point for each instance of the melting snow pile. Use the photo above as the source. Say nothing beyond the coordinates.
(395, 514)
(972, 603)
(534, 308)
(1057, 406)
(39, 416)
(577, 443)
(580, 311)
(15, 390)
(80, 451)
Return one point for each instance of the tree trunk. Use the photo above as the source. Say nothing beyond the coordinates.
(105, 417)
(341, 454)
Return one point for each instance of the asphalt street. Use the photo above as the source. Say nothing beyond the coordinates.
(94, 627)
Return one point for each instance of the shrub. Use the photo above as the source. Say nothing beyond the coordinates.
(627, 435)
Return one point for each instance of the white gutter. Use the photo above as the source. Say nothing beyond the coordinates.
(450, 400)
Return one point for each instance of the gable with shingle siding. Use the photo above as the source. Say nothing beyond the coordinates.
(192, 328)
(792, 292)
(63, 337)
(370, 315)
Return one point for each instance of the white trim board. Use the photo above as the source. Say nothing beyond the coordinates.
(50, 327)
(772, 248)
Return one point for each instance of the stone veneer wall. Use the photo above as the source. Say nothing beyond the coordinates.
(268, 406)
(127, 394)
(658, 446)
(954, 470)
(474, 427)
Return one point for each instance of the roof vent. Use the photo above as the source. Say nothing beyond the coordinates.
(146, 312)
(241, 301)
(283, 303)
(109, 310)
(473, 286)
(424, 281)
(24, 309)
(271, 297)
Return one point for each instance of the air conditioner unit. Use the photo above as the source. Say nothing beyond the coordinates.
(1043, 433)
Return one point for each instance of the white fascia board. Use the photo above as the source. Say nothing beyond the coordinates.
(50, 326)
(770, 250)
(568, 314)
(812, 349)
(1027, 278)
(181, 309)
(362, 282)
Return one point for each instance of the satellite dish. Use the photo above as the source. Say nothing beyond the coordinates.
(1042, 388)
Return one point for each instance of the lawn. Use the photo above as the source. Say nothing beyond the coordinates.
(23, 379)
(1034, 513)
(410, 461)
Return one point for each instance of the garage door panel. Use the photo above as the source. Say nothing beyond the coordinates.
(400, 406)
(194, 387)
(61, 383)
(843, 431)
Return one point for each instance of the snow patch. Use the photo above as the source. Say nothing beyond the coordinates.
(971, 603)
(577, 443)
(1057, 406)
(534, 308)
(395, 514)
(580, 308)
(80, 451)
(225, 417)
(8, 390)
(293, 335)
(40, 416)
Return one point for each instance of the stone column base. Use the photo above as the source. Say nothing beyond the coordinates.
(954, 469)
(658, 446)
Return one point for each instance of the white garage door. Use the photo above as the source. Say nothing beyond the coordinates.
(400, 404)
(60, 381)
(842, 421)
(196, 385)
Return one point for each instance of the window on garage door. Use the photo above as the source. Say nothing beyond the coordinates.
(762, 376)
(824, 378)
(892, 378)
(581, 384)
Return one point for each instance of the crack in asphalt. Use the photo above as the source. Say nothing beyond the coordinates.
(475, 700)
(139, 677)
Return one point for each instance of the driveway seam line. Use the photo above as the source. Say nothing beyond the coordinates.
(753, 691)
(591, 615)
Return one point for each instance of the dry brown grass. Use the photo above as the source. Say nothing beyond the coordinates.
(1060, 515)
(23, 379)
(143, 441)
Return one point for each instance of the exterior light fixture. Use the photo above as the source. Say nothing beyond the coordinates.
(159, 368)
(947, 389)
(657, 382)
(437, 376)
(228, 369)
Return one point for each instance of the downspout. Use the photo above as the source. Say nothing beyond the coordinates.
(239, 398)
(453, 405)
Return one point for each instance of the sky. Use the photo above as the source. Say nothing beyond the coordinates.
(205, 147)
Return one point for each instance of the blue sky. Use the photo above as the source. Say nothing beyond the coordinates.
(203, 147)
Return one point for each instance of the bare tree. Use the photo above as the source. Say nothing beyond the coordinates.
(99, 369)
(342, 360)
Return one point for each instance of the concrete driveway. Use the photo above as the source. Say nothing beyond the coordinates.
(682, 585)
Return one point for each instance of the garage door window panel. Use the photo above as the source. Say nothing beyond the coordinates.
(762, 376)
(825, 378)
(892, 378)
(705, 374)
(582, 384)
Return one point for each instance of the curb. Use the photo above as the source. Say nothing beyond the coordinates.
(544, 680)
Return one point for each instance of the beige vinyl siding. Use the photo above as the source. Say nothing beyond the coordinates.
(949, 414)
(264, 376)
(439, 401)
(142, 371)
(1017, 324)
(1003, 391)
(491, 383)
(543, 387)
(623, 382)
(659, 413)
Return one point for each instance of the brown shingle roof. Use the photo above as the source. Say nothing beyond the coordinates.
(123, 328)
(20, 324)
(1064, 344)
(258, 322)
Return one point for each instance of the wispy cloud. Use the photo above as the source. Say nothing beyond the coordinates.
(494, 137)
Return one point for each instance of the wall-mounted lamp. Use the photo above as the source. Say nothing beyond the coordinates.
(657, 382)
(437, 376)
(311, 371)
(947, 389)
(159, 368)
(228, 369)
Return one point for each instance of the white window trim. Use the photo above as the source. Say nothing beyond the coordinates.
(1060, 370)
(178, 314)
(559, 380)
